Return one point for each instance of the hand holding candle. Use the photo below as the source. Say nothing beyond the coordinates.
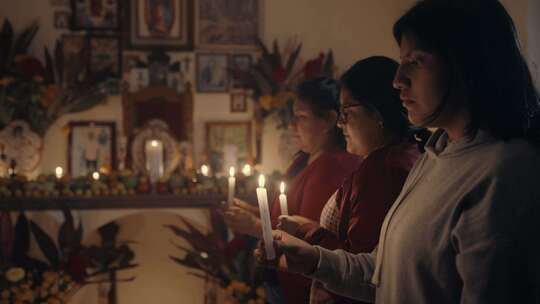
(266, 225)
(232, 185)
(283, 199)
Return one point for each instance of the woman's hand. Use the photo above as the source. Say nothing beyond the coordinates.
(293, 254)
(291, 223)
(242, 221)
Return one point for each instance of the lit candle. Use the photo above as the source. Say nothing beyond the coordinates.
(232, 184)
(95, 176)
(266, 225)
(283, 199)
(59, 172)
(154, 159)
(204, 170)
(246, 170)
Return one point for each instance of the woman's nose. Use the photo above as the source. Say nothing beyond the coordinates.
(400, 80)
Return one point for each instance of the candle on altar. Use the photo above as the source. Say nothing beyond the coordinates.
(266, 225)
(59, 172)
(246, 170)
(95, 176)
(232, 185)
(154, 159)
(205, 170)
(283, 199)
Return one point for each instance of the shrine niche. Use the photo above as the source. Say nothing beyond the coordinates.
(174, 111)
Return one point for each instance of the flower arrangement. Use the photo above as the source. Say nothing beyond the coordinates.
(230, 264)
(276, 74)
(68, 266)
(40, 93)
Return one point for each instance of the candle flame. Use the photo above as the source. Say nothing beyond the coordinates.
(246, 170)
(154, 143)
(204, 170)
(231, 171)
(95, 175)
(261, 180)
(282, 187)
(59, 172)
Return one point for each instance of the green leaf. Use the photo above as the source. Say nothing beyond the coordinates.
(292, 60)
(66, 234)
(49, 68)
(22, 237)
(6, 45)
(328, 68)
(276, 55)
(59, 60)
(25, 38)
(46, 244)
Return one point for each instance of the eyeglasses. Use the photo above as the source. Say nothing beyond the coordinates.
(343, 116)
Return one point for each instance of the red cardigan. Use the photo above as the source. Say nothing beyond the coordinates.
(363, 201)
(307, 194)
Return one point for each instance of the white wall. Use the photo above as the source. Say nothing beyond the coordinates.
(534, 39)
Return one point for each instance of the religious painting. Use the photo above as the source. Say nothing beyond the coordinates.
(61, 19)
(75, 48)
(228, 144)
(166, 24)
(91, 147)
(96, 14)
(228, 24)
(212, 72)
(105, 56)
(240, 67)
(238, 102)
(20, 148)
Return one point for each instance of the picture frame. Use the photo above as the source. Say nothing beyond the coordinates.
(235, 26)
(164, 24)
(212, 72)
(91, 147)
(76, 52)
(240, 66)
(238, 102)
(62, 19)
(105, 55)
(228, 144)
(95, 15)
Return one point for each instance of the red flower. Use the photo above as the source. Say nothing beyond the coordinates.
(28, 66)
(76, 267)
(278, 75)
(313, 68)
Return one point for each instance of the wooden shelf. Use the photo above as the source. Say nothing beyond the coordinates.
(113, 202)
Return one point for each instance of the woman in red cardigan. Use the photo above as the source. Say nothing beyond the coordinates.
(376, 128)
(318, 170)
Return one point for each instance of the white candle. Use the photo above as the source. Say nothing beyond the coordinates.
(246, 170)
(232, 184)
(95, 176)
(204, 170)
(266, 225)
(59, 172)
(154, 159)
(283, 200)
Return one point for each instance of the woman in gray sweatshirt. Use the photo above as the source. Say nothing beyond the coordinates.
(465, 227)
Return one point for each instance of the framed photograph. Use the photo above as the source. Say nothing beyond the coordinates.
(164, 24)
(91, 147)
(105, 55)
(61, 19)
(238, 102)
(240, 66)
(228, 24)
(212, 72)
(76, 49)
(95, 15)
(228, 144)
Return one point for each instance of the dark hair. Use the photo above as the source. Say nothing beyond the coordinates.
(322, 95)
(369, 81)
(478, 41)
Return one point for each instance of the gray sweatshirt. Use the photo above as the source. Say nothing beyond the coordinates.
(463, 230)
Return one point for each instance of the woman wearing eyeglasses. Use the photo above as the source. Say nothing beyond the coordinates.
(376, 128)
(318, 170)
